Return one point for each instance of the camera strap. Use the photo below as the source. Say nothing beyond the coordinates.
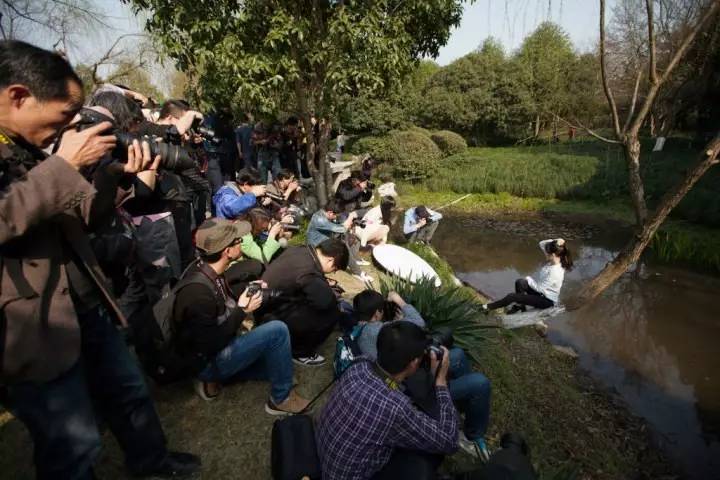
(391, 383)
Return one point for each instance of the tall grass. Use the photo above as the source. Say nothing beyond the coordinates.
(687, 245)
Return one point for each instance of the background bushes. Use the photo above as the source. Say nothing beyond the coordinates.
(450, 143)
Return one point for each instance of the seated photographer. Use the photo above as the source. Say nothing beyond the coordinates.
(208, 320)
(262, 242)
(323, 225)
(375, 225)
(306, 302)
(420, 224)
(469, 390)
(353, 192)
(369, 429)
(64, 364)
(237, 198)
(284, 191)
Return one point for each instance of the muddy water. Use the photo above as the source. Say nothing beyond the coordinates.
(653, 338)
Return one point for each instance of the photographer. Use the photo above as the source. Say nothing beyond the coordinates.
(353, 192)
(388, 438)
(283, 190)
(323, 225)
(468, 389)
(208, 319)
(377, 222)
(420, 224)
(237, 198)
(267, 142)
(262, 243)
(243, 133)
(68, 361)
(308, 304)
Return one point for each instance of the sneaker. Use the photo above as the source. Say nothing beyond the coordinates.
(292, 405)
(311, 361)
(202, 391)
(362, 263)
(476, 448)
(515, 308)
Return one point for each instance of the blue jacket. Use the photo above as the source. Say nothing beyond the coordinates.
(320, 229)
(230, 202)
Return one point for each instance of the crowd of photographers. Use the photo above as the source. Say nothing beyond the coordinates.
(127, 223)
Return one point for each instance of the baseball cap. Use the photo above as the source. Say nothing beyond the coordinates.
(422, 212)
(216, 234)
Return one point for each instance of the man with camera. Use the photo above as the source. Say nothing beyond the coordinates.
(353, 192)
(305, 300)
(324, 224)
(468, 389)
(239, 197)
(420, 224)
(208, 318)
(62, 358)
(369, 429)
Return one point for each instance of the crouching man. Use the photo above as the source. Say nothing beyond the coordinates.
(370, 429)
(208, 320)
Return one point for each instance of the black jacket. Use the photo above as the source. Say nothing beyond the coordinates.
(205, 325)
(349, 197)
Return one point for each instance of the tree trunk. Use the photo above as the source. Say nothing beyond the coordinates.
(325, 170)
(637, 191)
(632, 251)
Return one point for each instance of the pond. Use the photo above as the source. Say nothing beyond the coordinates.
(653, 338)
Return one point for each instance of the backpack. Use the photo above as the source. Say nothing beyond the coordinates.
(347, 349)
(161, 360)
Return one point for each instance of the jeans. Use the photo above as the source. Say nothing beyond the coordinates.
(61, 414)
(524, 295)
(214, 173)
(423, 234)
(261, 354)
(470, 391)
(268, 161)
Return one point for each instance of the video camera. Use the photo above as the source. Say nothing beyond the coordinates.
(268, 294)
(172, 157)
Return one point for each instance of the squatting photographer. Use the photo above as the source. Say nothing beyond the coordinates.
(56, 310)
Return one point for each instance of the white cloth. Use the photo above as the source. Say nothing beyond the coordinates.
(550, 278)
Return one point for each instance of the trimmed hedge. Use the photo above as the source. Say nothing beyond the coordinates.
(420, 130)
(450, 143)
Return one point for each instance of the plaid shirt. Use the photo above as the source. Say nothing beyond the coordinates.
(364, 420)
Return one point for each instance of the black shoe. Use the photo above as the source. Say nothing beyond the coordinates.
(174, 465)
(515, 309)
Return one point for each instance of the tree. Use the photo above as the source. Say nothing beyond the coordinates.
(627, 135)
(312, 53)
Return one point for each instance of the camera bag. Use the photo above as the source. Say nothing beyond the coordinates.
(294, 452)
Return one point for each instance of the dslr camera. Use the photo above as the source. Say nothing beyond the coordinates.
(172, 157)
(206, 133)
(268, 294)
(359, 222)
(442, 337)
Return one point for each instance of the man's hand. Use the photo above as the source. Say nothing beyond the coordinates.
(287, 219)
(139, 158)
(293, 186)
(250, 304)
(396, 299)
(81, 149)
(258, 190)
(275, 230)
(441, 376)
(421, 223)
(363, 185)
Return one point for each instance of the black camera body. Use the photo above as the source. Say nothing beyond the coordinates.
(390, 310)
(359, 222)
(442, 337)
(268, 294)
(370, 185)
(172, 157)
(205, 132)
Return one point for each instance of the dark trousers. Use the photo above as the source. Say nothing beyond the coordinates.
(524, 295)
(410, 464)
(60, 414)
(309, 329)
(214, 172)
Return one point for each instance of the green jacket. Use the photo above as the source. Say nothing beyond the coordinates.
(262, 253)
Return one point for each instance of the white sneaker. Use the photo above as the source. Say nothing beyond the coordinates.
(363, 263)
(364, 277)
(476, 448)
(311, 361)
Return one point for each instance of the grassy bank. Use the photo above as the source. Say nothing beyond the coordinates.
(678, 241)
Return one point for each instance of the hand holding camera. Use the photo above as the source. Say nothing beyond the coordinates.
(251, 298)
(140, 159)
(86, 147)
(422, 222)
(258, 190)
(440, 364)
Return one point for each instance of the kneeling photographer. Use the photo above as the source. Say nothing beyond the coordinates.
(469, 390)
(208, 317)
(353, 192)
(420, 224)
(67, 361)
(324, 225)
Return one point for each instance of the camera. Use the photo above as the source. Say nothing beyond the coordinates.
(290, 227)
(442, 337)
(172, 157)
(370, 185)
(207, 133)
(359, 222)
(268, 294)
(390, 310)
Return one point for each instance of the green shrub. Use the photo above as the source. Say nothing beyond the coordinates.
(411, 155)
(450, 143)
(420, 130)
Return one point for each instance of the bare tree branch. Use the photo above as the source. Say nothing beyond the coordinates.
(23, 15)
(679, 54)
(579, 125)
(633, 103)
(652, 66)
(603, 72)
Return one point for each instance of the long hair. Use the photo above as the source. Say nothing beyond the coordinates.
(386, 207)
(259, 220)
(563, 252)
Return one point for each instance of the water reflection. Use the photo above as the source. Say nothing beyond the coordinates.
(651, 337)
